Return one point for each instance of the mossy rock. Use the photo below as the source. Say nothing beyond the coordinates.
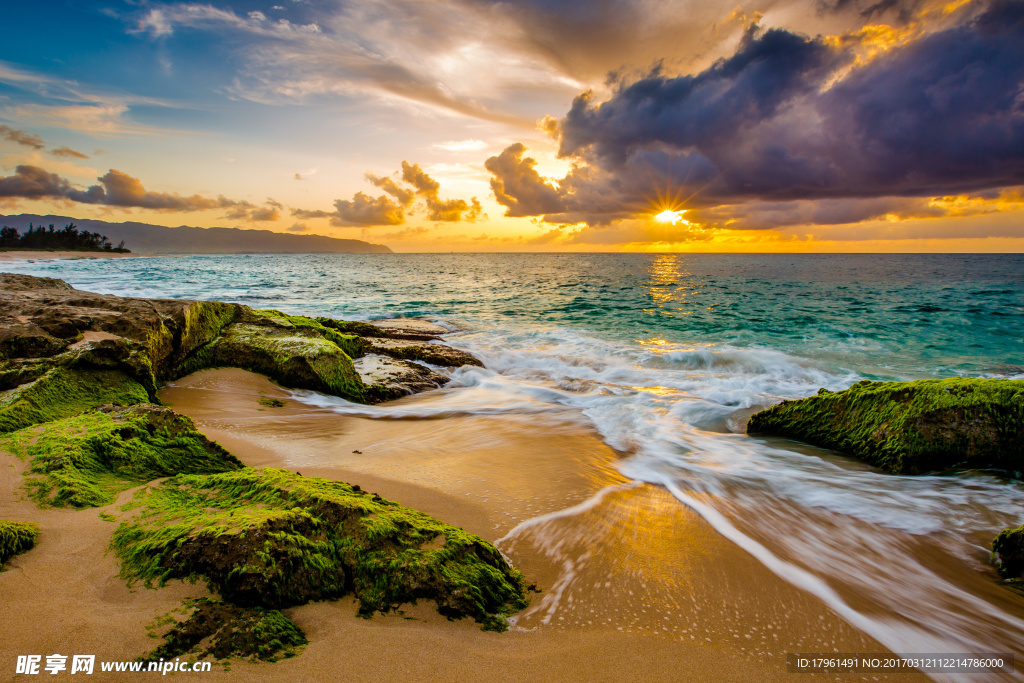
(14, 373)
(86, 460)
(45, 324)
(197, 324)
(271, 538)
(16, 538)
(351, 343)
(128, 356)
(910, 427)
(65, 391)
(389, 378)
(353, 327)
(216, 629)
(296, 358)
(23, 341)
(1008, 547)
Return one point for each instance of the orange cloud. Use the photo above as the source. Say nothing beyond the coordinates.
(399, 198)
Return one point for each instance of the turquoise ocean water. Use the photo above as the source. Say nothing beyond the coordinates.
(666, 355)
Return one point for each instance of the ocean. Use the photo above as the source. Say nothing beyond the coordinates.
(666, 356)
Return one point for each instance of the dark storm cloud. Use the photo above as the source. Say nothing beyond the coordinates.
(698, 111)
(872, 9)
(789, 117)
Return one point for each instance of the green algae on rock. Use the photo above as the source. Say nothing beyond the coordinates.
(352, 344)
(86, 460)
(294, 357)
(272, 538)
(16, 538)
(910, 427)
(212, 628)
(65, 391)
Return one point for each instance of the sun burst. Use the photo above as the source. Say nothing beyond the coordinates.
(669, 216)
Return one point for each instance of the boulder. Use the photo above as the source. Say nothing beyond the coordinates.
(388, 378)
(910, 427)
(1008, 548)
(270, 538)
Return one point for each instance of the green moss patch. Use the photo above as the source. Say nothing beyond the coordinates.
(86, 460)
(212, 628)
(271, 538)
(14, 373)
(16, 538)
(202, 322)
(349, 342)
(64, 391)
(293, 357)
(353, 327)
(910, 427)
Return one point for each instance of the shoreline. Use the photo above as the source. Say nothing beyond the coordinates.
(635, 571)
(43, 255)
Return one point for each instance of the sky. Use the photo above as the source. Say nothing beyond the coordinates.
(535, 125)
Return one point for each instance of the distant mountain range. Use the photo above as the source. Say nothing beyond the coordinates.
(144, 238)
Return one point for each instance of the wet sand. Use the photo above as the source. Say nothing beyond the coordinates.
(633, 585)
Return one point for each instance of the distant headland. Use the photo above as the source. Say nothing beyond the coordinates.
(145, 238)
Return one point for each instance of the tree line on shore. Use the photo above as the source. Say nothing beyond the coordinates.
(69, 238)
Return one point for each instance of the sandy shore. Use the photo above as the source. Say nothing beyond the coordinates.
(59, 255)
(633, 585)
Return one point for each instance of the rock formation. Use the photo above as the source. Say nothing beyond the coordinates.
(79, 374)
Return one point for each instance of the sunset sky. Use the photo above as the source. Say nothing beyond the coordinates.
(537, 125)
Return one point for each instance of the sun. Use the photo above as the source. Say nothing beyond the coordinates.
(669, 216)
